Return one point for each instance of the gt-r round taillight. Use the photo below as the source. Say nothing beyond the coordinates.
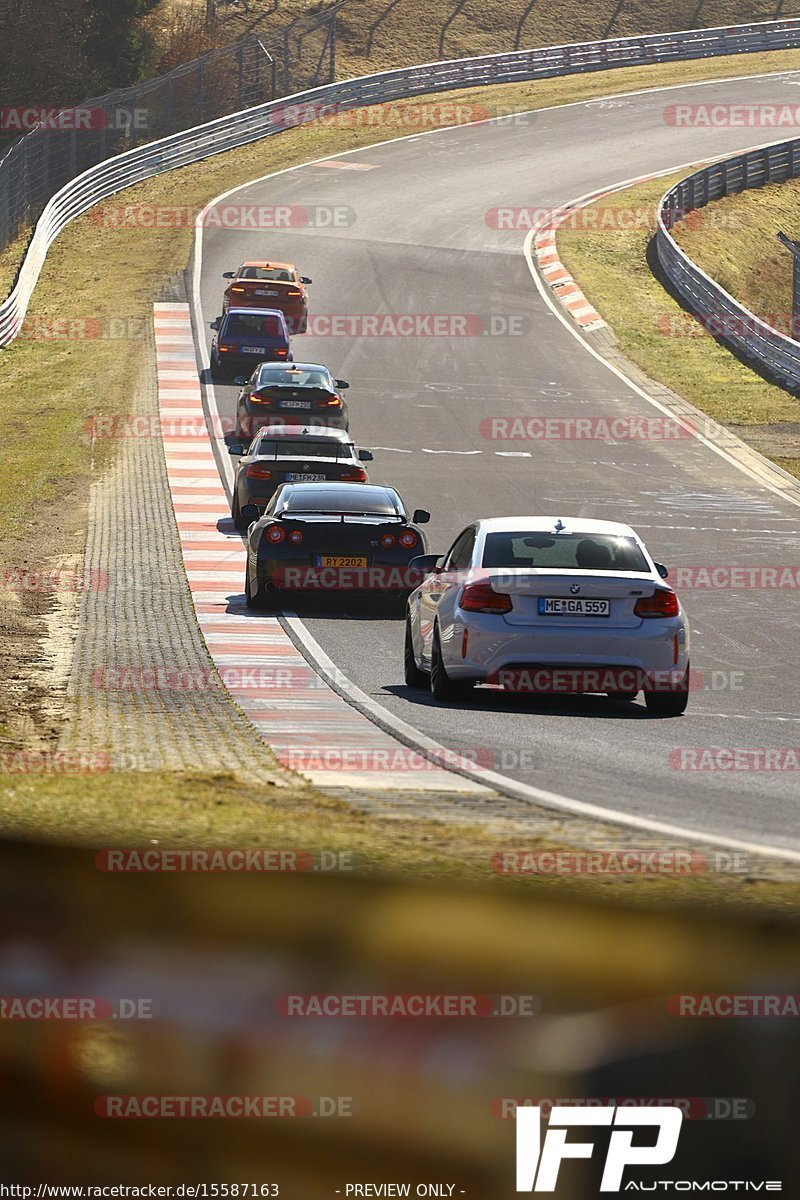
(275, 534)
(295, 537)
(408, 539)
(387, 541)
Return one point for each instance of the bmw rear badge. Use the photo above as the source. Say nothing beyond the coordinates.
(574, 588)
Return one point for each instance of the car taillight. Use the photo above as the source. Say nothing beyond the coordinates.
(295, 537)
(408, 539)
(224, 348)
(257, 398)
(275, 534)
(662, 603)
(258, 471)
(481, 597)
(387, 541)
(280, 354)
(357, 475)
(238, 289)
(294, 292)
(331, 402)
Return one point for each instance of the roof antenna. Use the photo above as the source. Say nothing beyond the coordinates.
(559, 525)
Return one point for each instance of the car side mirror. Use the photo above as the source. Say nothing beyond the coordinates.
(662, 570)
(421, 516)
(240, 380)
(342, 383)
(427, 564)
(228, 274)
(214, 325)
(305, 279)
(237, 449)
(366, 456)
(251, 513)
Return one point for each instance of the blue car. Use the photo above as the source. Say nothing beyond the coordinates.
(247, 336)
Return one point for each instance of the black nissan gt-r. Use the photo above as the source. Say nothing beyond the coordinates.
(329, 538)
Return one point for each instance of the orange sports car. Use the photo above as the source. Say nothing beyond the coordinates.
(270, 285)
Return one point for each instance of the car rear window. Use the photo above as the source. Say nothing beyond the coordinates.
(563, 551)
(275, 274)
(329, 448)
(272, 377)
(307, 498)
(253, 325)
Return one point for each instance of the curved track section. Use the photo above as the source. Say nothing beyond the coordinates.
(423, 241)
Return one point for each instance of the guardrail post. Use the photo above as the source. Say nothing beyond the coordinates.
(240, 75)
(794, 250)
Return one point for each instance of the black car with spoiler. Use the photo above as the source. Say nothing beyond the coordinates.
(326, 538)
(285, 393)
(292, 454)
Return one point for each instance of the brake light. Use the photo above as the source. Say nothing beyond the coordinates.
(257, 398)
(387, 541)
(296, 537)
(294, 292)
(258, 471)
(408, 539)
(357, 475)
(280, 354)
(481, 597)
(238, 289)
(276, 534)
(662, 603)
(332, 402)
(224, 349)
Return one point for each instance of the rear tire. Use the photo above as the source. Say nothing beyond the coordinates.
(442, 686)
(261, 601)
(414, 677)
(669, 704)
(236, 512)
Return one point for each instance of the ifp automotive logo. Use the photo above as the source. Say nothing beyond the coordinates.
(538, 1161)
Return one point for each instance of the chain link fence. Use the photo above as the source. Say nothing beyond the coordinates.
(63, 144)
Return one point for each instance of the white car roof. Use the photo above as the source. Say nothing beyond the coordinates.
(547, 525)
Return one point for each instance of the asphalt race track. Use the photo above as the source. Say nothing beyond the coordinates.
(420, 243)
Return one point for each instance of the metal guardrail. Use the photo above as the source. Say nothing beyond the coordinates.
(722, 315)
(226, 133)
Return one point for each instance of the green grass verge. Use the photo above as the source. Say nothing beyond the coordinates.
(653, 331)
(210, 811)
(734, 242)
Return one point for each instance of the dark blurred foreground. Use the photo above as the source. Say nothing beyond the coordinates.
(202, 972)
